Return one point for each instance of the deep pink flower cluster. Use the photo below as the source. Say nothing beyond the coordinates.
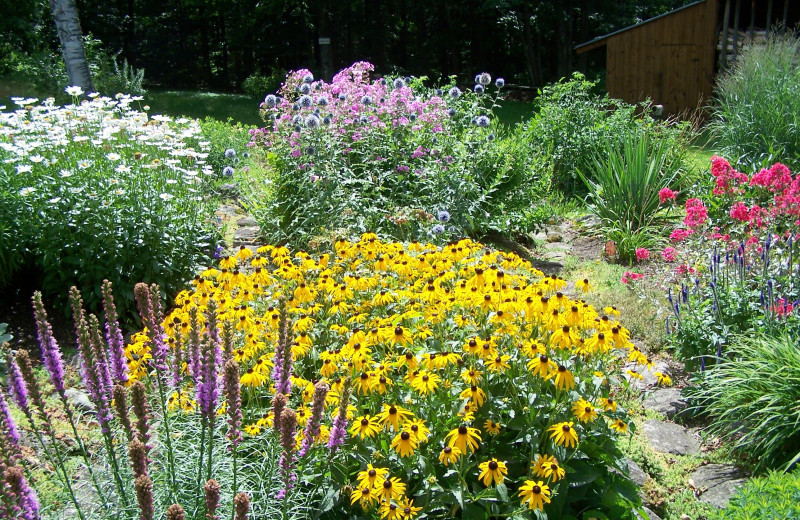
(666, 194)
(642, 254)
(726, 177)
(696, 213)
(629, 276)
(669, 254)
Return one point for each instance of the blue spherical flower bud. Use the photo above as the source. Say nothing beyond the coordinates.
(451, 112)
(342, 96)
(227, 171)
(322, 101)
(438, 229)
(483, 78)
(399, 83)
(326, 120)
(305, 88)
(270, 101)
(454, 92)
(499, 83)
(443, 216)
(367, 100)
(482, 121)
(305, 101)
(439, 92)
(310, 150)
(308, 78)
(478, 89)
(297, 120)
(230, 152)
(312, 121)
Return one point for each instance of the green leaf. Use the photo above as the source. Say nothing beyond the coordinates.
(502, 492)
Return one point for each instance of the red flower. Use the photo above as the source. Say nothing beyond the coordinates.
(666, 194)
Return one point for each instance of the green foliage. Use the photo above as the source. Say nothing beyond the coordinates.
(227, 143)
(751, 399)
(775, 496)
(111, 194)
(756, 110)
(258, 85)
(574, 127)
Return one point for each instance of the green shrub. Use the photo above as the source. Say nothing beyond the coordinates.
(109, 193)
(228, 148)
(751, 399)
(774, 497)
(258, 85)
(756, 109)
(573, 125)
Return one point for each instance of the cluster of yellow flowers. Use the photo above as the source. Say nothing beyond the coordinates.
(422, 336)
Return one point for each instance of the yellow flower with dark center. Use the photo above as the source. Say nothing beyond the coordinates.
(425, 382)
(611, 311)
(365, 426)
(365, 495)
(563, 434)
(619, 426)
(404, 443)
(399, 336)
(499, 364)
(584, 285)
(464, 437)
(372, 476)
(418, 429)
(492, 470)
(491, 427)
(563, 378)
(533, 349)
(475, 395)
(449, 455)
(389, 511)
(564, 337)
(408, 359)
(584, 410)
(392, 489)
(407, 509)
(252, 378)
(608, 404)
(382, 384)
(663, 379)
(542, 366)
(393, 415)
(536, 494)
(471, 376)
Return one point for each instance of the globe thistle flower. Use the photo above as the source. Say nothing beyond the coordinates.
(478, 89)
(483, 79)
(342, 96)
(363, 120)
(297, 120)
(312, 121)
(322, 101)
(326, 120)
(305, 101)
(438, 229)
(228, 171)
(305, 88)
(230, 153)
(451, 112)
(295, 107)
(454, 92)
(308, 78)
(399, 83)
(443, 216)
(270, 101)
(482, 121)
(490, 137)
(366, 100)
(499, 83)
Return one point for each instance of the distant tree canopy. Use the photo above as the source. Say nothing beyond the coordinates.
(216, 44)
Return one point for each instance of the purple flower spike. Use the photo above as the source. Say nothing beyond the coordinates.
(8, 423)
(234, 400)
(26, 497)
(116, 344)
(51, 353)
(313, 424)
(16, 385)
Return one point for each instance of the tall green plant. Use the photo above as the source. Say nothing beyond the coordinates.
(756, 110)
(751, 398)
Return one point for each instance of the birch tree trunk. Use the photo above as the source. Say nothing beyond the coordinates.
(68, 27)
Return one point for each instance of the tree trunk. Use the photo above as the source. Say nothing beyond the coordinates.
(68, 27)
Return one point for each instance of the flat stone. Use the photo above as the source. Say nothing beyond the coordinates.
(79, 399)
(717, 483)
(665, 400)
(247, 222)
(649, 515)
(541, 236)
(227, 210)
(555, 256)
(554, 237)
(557, 246)
(636, 474)
(245, 236)
(668, 437)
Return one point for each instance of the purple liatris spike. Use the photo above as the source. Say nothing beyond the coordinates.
(234, 402)
(278, 404)
(339, 428)
(176, 512)
(102, 375)
(51, 353)
(141, 411)
(121, 408)
(16, 385)
(26, 498)
(212, 499)
(288, 426)
(312, 426)
(9, 427)
(241, 506)
(144, 496)
(116, 344)
(137, 453)
(145, 300)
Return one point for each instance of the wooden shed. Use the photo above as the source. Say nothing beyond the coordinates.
(672, 59)
(669, 59)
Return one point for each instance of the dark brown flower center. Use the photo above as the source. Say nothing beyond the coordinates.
(492, 465)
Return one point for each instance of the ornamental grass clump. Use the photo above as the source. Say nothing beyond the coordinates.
(387, 155)
(96, 189)
(451, 381)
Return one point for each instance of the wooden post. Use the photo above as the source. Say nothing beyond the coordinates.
(769, 16)
(736, 27)
(723, 58)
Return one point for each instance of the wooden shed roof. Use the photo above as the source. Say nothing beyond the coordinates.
(600, 40)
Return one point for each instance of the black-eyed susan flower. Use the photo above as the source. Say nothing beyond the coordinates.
(499, 364)
(418, 428)
(404, 443)
(390, 511)
(463, 438)
(547, 467)
(391, 489)
(407, 509)
(542, 366)
(365, 426)
(584, 410)
(563, 434)
(491, 427)
(492, 470)
(372, 476)
(563, 378)
(471, 376)
(608, 404)
(663, 379)
(584, 285)
(535, 494)
(365, 495)
(564, 337)
(449, 455)
(393, 415)
(426, 382)
(619, 426)
(474, 394)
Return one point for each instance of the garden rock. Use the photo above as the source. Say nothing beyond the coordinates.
(245, 236)
(79, 399)
(636, 474)
(227, 211)
(557, 246)
(668, 437)
(247, 222)
(649, 515)
(554, 237)
(665, 400)
(717, 483)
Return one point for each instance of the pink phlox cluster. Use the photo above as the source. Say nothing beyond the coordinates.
(696, 213)
(727, 179)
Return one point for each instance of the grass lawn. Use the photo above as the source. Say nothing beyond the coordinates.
(194, 103)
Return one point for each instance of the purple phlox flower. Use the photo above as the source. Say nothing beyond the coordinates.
(51, 352)
(116, 343)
